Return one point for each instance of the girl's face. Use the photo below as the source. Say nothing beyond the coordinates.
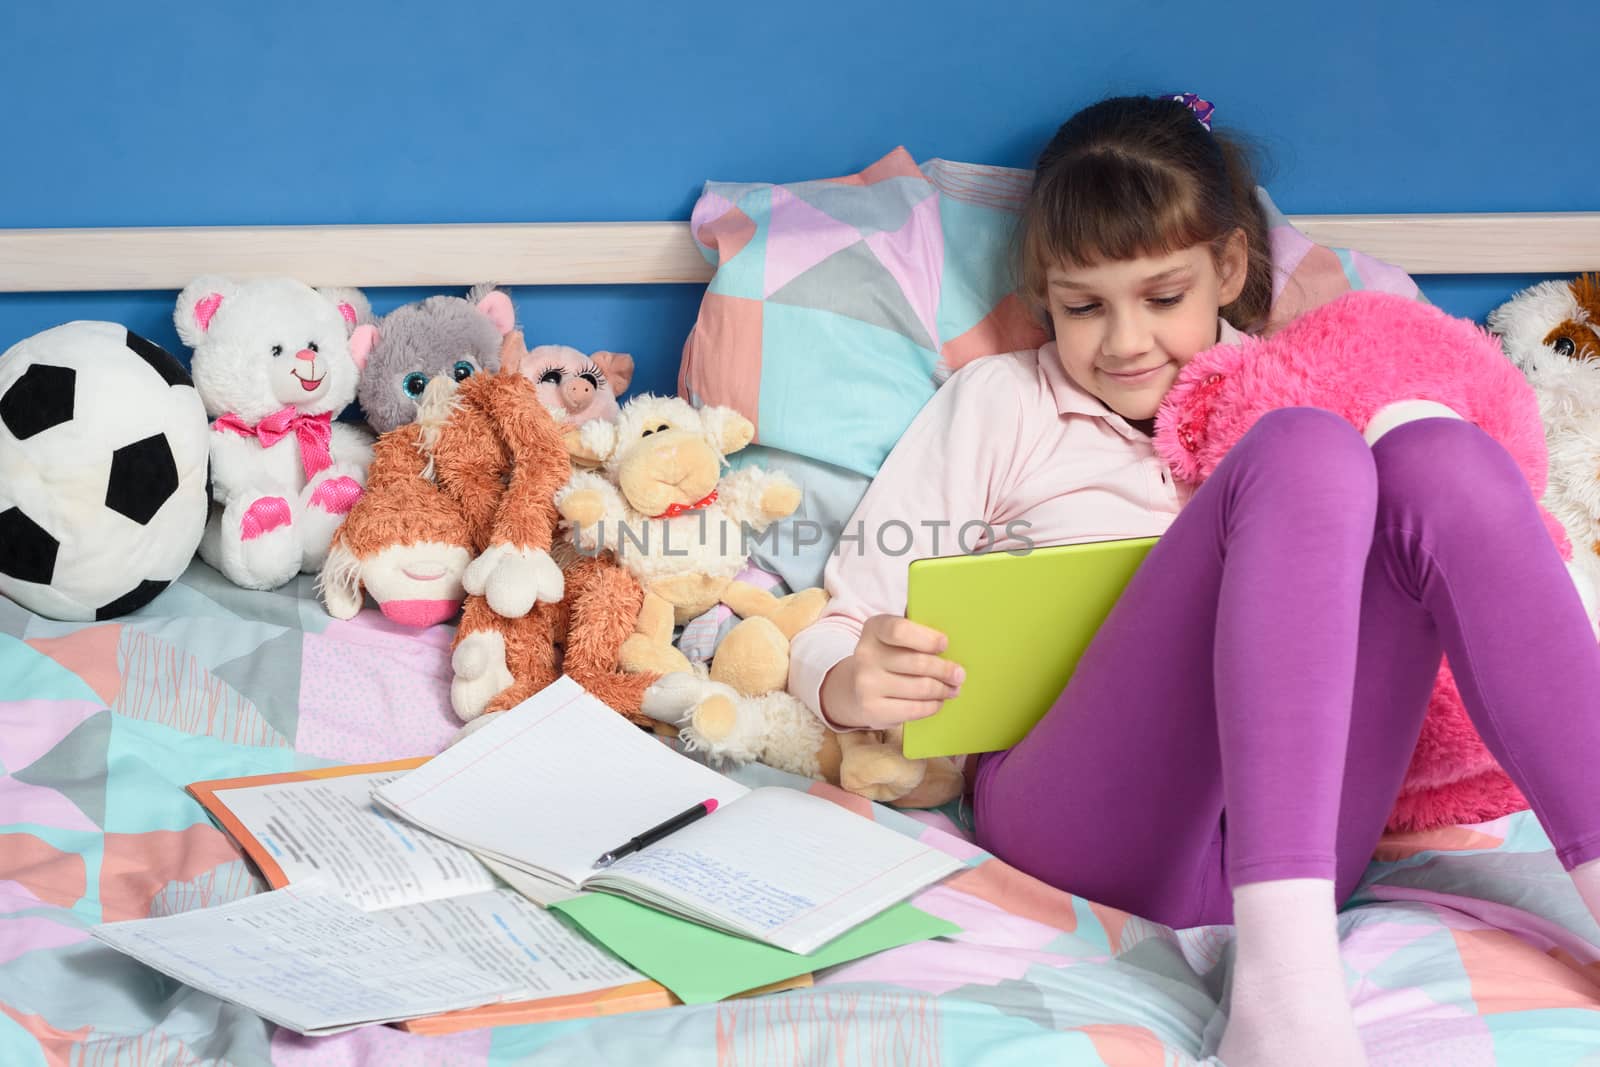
(1125, 329)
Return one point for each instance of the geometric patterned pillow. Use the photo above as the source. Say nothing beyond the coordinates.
(839, 305)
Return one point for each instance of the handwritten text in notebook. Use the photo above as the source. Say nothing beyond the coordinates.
(718, 886)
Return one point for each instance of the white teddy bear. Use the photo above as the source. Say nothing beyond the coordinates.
(274, 361)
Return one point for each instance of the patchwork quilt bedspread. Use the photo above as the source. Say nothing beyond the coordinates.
(1464, 946)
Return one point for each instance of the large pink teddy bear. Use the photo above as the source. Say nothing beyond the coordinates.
(1376, 359)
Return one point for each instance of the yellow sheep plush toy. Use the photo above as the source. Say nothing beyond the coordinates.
(660, 503)
(739, 711)
(657, 499)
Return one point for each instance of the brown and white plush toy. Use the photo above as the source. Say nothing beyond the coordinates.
(460, 502)
(1551, 331)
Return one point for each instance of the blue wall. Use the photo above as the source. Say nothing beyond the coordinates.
(117, 114)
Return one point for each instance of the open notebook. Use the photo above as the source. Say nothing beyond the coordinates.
(555, 782)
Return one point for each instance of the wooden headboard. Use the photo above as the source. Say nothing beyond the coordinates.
(600, 253)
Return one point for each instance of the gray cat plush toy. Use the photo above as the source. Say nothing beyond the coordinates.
(417, 342)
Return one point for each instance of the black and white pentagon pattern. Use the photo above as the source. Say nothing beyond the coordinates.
(27, 551)
(159, 360)
(143, 476)
(132, 600)
(39, 400)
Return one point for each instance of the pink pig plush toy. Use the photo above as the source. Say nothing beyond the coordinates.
(573, 387)
(1377, 360)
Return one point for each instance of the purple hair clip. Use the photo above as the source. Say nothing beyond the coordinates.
(1202, 108)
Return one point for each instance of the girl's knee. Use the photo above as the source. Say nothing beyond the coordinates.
(1448, 467)
(1311, 433)
(1310, 446)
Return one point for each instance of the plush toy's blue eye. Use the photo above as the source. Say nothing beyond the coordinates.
(413, 384)
(462, 370)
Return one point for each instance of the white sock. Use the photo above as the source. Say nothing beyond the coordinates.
(1288, 1000)
(1403, 411)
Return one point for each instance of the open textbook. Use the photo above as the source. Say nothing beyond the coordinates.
(356, 870)
(304, 957)
(568, 779)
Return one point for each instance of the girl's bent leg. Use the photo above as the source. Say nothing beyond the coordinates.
(1249, 604)
(1467, 549)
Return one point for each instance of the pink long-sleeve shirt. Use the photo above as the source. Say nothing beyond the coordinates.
(1008, 453)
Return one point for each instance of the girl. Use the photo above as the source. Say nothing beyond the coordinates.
(1232, 742)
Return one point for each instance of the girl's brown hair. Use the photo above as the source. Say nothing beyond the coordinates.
(1137, 176)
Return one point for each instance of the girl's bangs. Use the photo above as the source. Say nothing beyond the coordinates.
(1106, 211)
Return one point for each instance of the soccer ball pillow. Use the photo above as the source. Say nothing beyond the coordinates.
(102, 471)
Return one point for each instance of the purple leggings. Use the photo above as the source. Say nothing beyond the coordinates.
(1250, 706)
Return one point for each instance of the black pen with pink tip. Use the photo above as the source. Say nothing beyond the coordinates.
(656, 833)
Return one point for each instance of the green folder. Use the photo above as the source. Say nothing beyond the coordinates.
(701, 965)
(1017, 625)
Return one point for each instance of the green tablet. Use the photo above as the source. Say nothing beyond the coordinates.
(1018, 625)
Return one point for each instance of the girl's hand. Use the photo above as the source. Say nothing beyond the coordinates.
(894, 675)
